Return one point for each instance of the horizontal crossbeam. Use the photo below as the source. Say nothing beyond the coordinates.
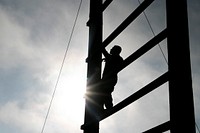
(106, 4)
(160, 128)
(146, 47)
(137, 95)
(127, 21)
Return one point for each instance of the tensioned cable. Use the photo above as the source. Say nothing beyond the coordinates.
(154, 34)
(63, 61)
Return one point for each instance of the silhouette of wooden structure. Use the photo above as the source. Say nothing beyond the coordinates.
(182, 117)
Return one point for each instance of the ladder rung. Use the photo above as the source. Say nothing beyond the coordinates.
(160, 128)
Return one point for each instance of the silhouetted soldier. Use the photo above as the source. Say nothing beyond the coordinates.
(109, 79)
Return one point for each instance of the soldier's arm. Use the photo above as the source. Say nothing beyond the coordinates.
(105, 53)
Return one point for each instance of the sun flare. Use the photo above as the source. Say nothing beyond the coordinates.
(70, 97)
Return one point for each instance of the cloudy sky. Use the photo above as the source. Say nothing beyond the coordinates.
(33, 38)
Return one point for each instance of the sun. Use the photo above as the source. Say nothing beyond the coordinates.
(69, 98)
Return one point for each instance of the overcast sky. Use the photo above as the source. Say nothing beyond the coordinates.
(33, 38)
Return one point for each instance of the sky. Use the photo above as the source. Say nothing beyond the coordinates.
(33, 38)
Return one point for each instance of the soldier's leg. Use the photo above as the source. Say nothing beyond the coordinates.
(108, 101)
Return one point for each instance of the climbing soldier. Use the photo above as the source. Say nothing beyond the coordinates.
(113, 61)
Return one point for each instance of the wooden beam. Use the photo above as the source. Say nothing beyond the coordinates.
(127, 21)
(146, 47)
(160, 128)
(106, 4)
(180, 80)
(137, 95)
(94, 65)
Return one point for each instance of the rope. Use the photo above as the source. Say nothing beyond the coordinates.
(154, 34)
(63, 61)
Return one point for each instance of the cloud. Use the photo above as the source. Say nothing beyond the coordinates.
(34, 35)
(25, 119)
(21, 60)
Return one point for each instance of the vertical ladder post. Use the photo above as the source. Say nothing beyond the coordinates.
(180, 81)
(94, 66)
